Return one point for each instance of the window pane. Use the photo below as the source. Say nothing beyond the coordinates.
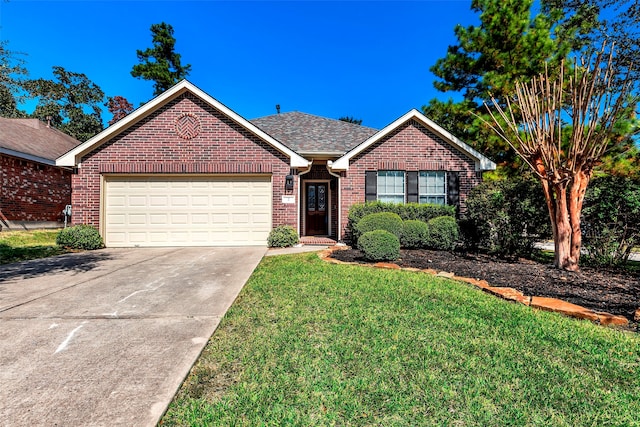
(321, 198)
(311, 198)
(432, 187)
(391, 186)
(391, 199)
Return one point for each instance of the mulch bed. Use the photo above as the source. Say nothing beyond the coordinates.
(612, 291)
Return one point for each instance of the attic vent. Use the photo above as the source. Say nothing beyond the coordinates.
(188, 126)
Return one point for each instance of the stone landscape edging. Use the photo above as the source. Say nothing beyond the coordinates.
(510, 294)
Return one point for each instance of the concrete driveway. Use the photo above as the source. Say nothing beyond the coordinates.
(106, 337)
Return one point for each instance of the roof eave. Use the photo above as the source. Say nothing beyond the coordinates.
(27, 156)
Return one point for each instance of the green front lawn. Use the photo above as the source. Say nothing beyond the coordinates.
(18, 246)
(311, 343)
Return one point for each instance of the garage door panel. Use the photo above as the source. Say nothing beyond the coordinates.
(200, 200)
(187, 211)
(177, 202)
(137, 201)
(134, 219)
(179, 219)
(160, 201)
(159, 219)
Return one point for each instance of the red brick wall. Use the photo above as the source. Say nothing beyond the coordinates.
(412, 147)
(153, 146)
(33, 191)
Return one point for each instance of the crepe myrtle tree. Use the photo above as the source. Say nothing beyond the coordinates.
(561, 123)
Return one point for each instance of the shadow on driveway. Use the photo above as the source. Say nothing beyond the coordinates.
(76, 262)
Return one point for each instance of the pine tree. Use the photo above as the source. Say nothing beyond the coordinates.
(160, 63)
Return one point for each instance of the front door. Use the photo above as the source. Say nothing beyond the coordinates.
(317, 209)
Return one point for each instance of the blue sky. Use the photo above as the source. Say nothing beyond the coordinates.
(369, 60)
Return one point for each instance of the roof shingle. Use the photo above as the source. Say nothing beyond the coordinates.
(34, 138)
(306, 133)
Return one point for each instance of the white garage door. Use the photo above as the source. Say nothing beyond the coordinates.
(187, 211)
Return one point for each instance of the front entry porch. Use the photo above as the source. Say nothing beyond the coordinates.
(317, 241)
(319, 207)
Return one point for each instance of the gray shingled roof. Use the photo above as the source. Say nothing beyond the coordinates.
(33, 138)
(306, 133)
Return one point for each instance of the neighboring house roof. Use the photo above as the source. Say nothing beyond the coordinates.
(31, 139)
(309, 134)
(482, 163)
(73, 157)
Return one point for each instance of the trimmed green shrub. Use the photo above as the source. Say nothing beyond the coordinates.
(420, 211)
(388, 221)
(283, 236)
(80, 237)
(379, 245)
(414, 233)
(442, 233)
(506, 217)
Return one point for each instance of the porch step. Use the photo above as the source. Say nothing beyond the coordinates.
(317, 241)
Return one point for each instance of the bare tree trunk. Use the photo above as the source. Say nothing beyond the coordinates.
(563, 236)
(576, 199)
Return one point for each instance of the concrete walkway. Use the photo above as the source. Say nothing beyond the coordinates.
(105, 338)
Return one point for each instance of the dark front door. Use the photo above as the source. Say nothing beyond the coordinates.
(316, 209)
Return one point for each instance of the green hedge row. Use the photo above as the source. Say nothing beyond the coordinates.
(381, 234)
(408, 211)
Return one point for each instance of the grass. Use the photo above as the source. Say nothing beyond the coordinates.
(18, 246)
(312, 343)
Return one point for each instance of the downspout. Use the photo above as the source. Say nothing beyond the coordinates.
(299, 194)
(339, 235)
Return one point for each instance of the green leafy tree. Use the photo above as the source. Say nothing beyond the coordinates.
(610, 219)
(599, 21)
(12, 74)
(509, 44)
(71, 102)
(160, 63)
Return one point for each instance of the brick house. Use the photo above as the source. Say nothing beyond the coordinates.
(33, 190)
(185, 170)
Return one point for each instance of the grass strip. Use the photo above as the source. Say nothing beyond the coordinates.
(16, 246)
(312, 343)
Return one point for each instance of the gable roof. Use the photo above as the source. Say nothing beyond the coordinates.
(31, 139)
(309, 134)
(482, 163)
(72, 158)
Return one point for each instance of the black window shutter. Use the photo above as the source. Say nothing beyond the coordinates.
(453, 189)
(371, 186)
(412, 187)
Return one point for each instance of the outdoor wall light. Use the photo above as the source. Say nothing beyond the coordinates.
(288, 183)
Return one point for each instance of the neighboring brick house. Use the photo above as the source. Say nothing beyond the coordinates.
(185, 170)
(33, 190)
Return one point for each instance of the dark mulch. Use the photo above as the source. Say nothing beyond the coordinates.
(612, 291)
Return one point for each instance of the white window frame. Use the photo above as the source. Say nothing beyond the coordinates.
(423, 187)
(393, 197)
